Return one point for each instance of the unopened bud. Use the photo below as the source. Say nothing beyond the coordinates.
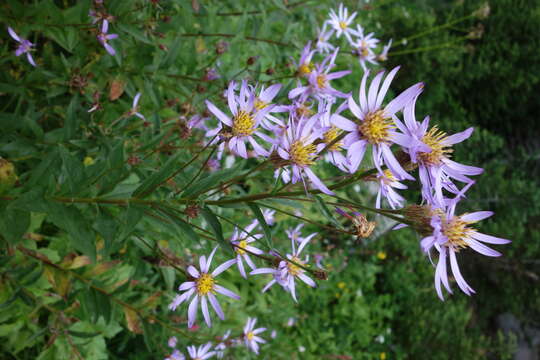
(270, 71)
(251, 60)
(8, 176)
(192, 211)
(483, 11)
(363, 227)
(221, 47)
(420, 217)
(320, 274)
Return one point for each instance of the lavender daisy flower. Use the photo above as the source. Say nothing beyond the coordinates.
(268, 215)
(200, 353)
(176, 355)
(387, 183)
(203, 287)
(375, 124)
(341, 22)
(104, 38)
(172, 342)
(287, 272)
(244, 122)
(242, 239)
(451, 234)
(330, 133)
(296, 146)
(250, 335)
(295, 233)
(135, 108)
(431, 150)
(319, 81)
(364, 47)
(222, 346)
(304, 66)
(323, 36)
(383, 56)
(24, 48)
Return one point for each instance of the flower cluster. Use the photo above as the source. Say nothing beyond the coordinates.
(250, 338)
(322, 120)
(364, 45)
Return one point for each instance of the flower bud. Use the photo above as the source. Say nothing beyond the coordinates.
(8, 176)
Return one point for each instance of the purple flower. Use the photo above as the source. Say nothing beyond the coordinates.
(387, 183)
(104, 38)
(451, 234)
(250, 335)
(287, 272)
(364, 47)
(24, 48)
(304, 66)
(211, 74)
(203, 287)
(383, 56)
(296, 146)
(341, 22)
(375, 124)
(176, 355)
(242, 240)
(323, 36)
(330, 133)
(135, 108)
(431, 149)
(172, 342)
(200, 353)
(222, 345)
(244, 121)
(319, 81)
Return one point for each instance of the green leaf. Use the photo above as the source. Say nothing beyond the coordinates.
(71, 123)
(260, 217)
(325, 211)
(215, 225)
(159, 176)
(83, 335)
(13, 224)
(201, 185)
(72, 171)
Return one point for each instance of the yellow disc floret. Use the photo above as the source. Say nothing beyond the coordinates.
(375, 127)
(342, 25)
(305, 69)
(322, 82)
(294, 270)
(205, 284)
(250, 335)
(433, 138)
(302, 154)
(243, 124)
(330, 136)
(259, 104)
(240, 247)
(456, 230)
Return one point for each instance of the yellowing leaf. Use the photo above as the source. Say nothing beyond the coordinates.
(133, 321)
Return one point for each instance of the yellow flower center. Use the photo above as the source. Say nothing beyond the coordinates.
(259, 104)
(243, 124)
(294, 270)
(205, 284)
(250, 335)
(375, 127)
(302, 154)
(305, 69)
(303, 110)
(342, 25)
(456, 231)
(387, 177)
(240, 247)
(364, 52)
(439, 151)
(321, 81)
(330, 136)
